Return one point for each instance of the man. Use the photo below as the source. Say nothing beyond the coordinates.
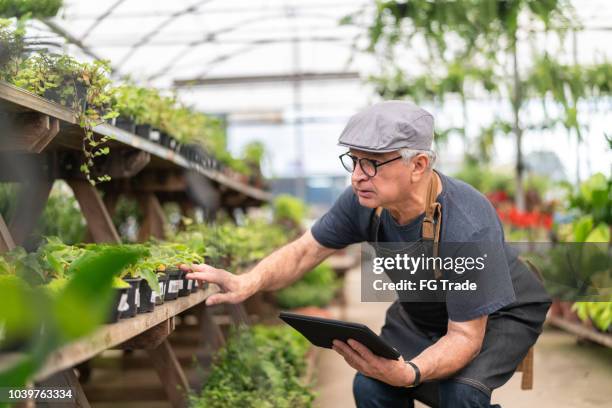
(454, 352)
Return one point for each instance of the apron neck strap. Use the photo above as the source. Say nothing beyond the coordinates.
(433, 211)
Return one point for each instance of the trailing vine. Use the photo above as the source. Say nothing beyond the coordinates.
(83, 87)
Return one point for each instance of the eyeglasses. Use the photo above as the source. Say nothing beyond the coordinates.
(368, 166)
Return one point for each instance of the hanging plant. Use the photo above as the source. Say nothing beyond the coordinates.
(11, 48)
(30, 8)
(82, 87)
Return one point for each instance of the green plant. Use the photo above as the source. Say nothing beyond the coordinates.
(76, 310)
(83, 87)
(30, 8)
(289, 210)
(470, 49)
(600, 313)
(594, 197)
(484, 179)
(316, 288)
(258, 367)
(11, 48)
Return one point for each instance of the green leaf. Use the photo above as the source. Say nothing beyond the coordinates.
(85, 302)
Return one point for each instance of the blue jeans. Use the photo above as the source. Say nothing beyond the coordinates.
(371, 393)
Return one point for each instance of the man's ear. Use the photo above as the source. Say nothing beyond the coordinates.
(421, 164)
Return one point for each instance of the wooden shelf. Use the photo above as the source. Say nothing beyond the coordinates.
(112, 335)
(14, 99)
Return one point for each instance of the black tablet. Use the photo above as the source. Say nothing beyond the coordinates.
(322, 332)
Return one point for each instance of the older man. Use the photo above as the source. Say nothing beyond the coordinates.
(455, 352)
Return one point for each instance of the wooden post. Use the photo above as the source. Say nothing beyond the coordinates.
(98, 220)
(31, 201)
(66, 380)
(6, 240)
(154, 217)
(170, 373)
(527, 369)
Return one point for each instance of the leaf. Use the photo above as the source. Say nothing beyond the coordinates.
(85, 302)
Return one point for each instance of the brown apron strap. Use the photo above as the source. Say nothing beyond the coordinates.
(432, 220)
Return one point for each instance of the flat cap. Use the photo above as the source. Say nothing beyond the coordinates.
(389, 126)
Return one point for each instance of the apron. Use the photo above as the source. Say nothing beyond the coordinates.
(509, 335)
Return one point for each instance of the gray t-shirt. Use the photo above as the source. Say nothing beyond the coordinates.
(467, 217)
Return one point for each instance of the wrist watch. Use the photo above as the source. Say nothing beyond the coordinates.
(417, 374)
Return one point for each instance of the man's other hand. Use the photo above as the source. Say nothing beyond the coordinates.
(358, 356)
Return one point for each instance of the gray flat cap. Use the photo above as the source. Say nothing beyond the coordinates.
(389, 126)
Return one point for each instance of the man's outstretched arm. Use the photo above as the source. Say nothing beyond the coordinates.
(277, 270)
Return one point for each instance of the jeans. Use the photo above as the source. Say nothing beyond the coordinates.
(371, 393)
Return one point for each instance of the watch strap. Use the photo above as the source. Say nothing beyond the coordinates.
(417, 374)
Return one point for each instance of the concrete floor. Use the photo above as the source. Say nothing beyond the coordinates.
(567, 374)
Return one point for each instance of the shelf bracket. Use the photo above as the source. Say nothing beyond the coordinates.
(31, 202)
(6, 239)
(99, 222)
(31, 132)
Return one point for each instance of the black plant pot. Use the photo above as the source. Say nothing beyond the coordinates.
(185, 286)
(164, 139)
(133, 298)
(163, 287)
(195, 286)
(124, 123)
(147, 298)
(120, 303)
(174, 284)
(143, 131)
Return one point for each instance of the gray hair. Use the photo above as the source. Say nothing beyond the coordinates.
(408, 154)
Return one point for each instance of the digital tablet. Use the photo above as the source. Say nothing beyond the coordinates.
(322, 332)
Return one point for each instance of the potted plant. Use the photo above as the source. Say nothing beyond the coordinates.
(120, 303)
(83, 87)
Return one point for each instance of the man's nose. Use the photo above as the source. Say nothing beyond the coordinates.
(358, 174)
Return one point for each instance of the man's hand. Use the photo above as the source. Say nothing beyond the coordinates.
(358, 356)
(235, 288)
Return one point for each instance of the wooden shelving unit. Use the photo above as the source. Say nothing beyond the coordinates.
(40, 142)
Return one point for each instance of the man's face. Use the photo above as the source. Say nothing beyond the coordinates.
(389, 185)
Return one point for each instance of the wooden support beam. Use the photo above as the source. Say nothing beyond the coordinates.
(124, 164)
(526, 367)
(31, 132)
(171, 374)
(66, 379)
(154, 218)
(151, 338)
(98, 220)
(6, 240)
(110, 201)
(31, 202)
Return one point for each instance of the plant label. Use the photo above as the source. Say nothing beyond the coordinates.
(173, 286)
(123, 303)
(189, 284)
(154, 296)
(137, 297)
(180, 284)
